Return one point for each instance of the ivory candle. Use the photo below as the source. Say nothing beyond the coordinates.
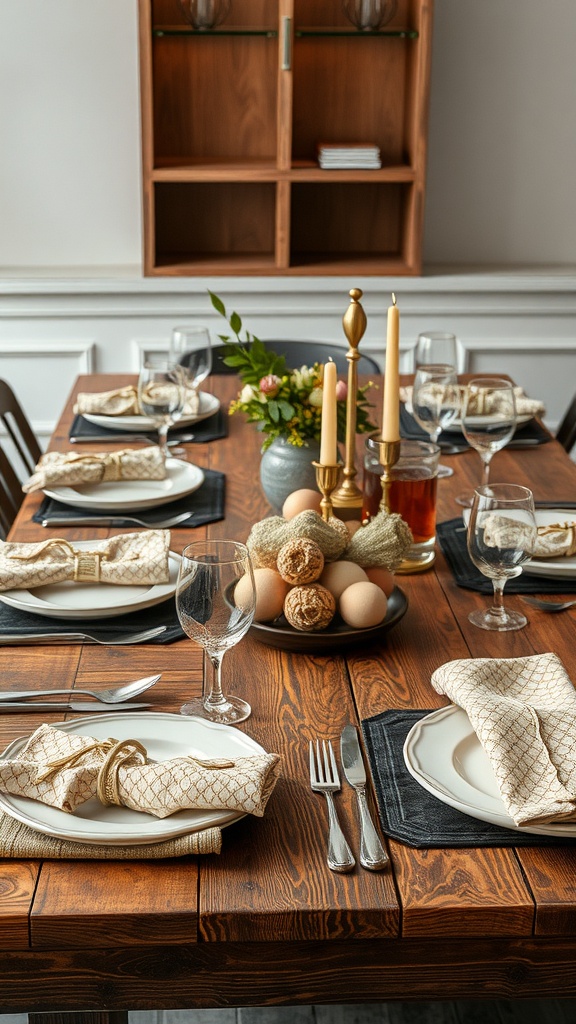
(328, 431)
(391, 409)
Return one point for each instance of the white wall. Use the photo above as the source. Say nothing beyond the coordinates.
(502, 148)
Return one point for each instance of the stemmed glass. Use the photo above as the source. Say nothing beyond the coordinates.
(488, 421)
(191, 347)
(208, 575)
(501, 537)
(161, 396)
(436, 347)
(435, 401)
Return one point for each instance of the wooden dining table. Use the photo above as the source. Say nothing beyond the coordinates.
(266, 922)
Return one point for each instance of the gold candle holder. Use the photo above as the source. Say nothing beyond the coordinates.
(349, 496)
(389, 455)
(326, 478)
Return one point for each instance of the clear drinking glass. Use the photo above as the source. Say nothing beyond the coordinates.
(161, 395)
(208, 575)
(370, 14)
(191, 347)
(488, 421)
(501, 537)
(205, 14)
(436, 401)
(436, 347)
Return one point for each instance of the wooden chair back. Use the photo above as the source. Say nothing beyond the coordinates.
(566, 432)
(19, 432)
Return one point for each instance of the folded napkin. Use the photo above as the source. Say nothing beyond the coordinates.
(523, 711)
(128, 559)
(65, 770)
(486, 404)
(81, 468)
(24, 843)
(124, 402)
(557, 539)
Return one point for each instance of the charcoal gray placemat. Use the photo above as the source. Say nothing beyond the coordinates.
(412, 430)
(452, 539)
(211, 429)
(206, 505)
(410, 813)
(15, 621)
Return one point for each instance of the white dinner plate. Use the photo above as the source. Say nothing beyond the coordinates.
(457, 423)
(209, 404)
(69, 600)
(165, 736)
(443, 754)
(130, 495)
(562, 567)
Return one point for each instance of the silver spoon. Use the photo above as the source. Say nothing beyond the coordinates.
(111, 696)
(548, 606)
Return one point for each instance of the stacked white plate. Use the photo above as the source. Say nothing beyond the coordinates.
(355, 155)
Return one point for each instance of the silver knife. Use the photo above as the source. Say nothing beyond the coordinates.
(72, 705)
(372, 854)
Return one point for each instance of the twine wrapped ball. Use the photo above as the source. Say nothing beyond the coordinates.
(269, 535)
(300, 561)
(309, 608)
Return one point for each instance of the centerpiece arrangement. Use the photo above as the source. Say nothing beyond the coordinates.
(285, 404)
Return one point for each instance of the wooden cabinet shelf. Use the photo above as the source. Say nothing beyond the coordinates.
(231, 122)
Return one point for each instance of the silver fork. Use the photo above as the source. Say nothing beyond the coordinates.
(158, 524)
(57, 638)
(548, 606)
(324, 779)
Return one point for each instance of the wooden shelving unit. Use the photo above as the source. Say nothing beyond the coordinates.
(231, 119)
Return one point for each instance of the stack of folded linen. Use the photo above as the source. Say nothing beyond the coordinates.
(353, 155)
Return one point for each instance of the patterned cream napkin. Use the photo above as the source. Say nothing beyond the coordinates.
(124, 402)
(65, 770)
(523, 711)
(558, 539)
(524, 406)
(21, 841)
(128, 559)
(72, 468)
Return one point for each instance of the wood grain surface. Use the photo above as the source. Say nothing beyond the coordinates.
(266, 922)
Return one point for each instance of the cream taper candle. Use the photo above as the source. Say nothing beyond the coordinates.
(391, 409)
(328, 434)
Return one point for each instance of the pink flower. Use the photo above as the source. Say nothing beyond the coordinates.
(341, 391)
(270, 385)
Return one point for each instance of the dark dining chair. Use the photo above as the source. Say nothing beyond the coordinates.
(25, 449)
(299, 353)
(566, 432)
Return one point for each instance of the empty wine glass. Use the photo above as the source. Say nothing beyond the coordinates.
(435, 401)
(436, 347)
(209, 614)
(501, 536)
(161, 395)
(488, 417)
(191, 347)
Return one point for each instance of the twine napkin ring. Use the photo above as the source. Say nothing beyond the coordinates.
(70, 759)
(569, 528)
(107, 786)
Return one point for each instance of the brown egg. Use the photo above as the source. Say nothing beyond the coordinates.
(339, 575)
(271, 590)
(300, 501)
(363, 605)
(352, 525)
(382, 577)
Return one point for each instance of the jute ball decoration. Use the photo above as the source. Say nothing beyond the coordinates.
(269, 535)
(384, 541)
(300, 561)
(309, 608)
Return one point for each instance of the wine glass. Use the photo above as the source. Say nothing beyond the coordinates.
(191, 347)
(161, 395)
(436, 347)
(208, 576)
(501, 538)
(488, 421)
(435, 401)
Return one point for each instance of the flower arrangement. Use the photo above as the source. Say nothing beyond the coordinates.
(283, 402)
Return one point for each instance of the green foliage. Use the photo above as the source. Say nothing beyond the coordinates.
(282, 402)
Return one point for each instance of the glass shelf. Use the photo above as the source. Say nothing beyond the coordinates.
(185, 30)
(358, 33)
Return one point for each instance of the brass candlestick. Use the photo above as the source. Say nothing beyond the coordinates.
(326, 478)
(389, 455)
(349, 495)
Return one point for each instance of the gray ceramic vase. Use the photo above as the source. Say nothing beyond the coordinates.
(285, 468)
